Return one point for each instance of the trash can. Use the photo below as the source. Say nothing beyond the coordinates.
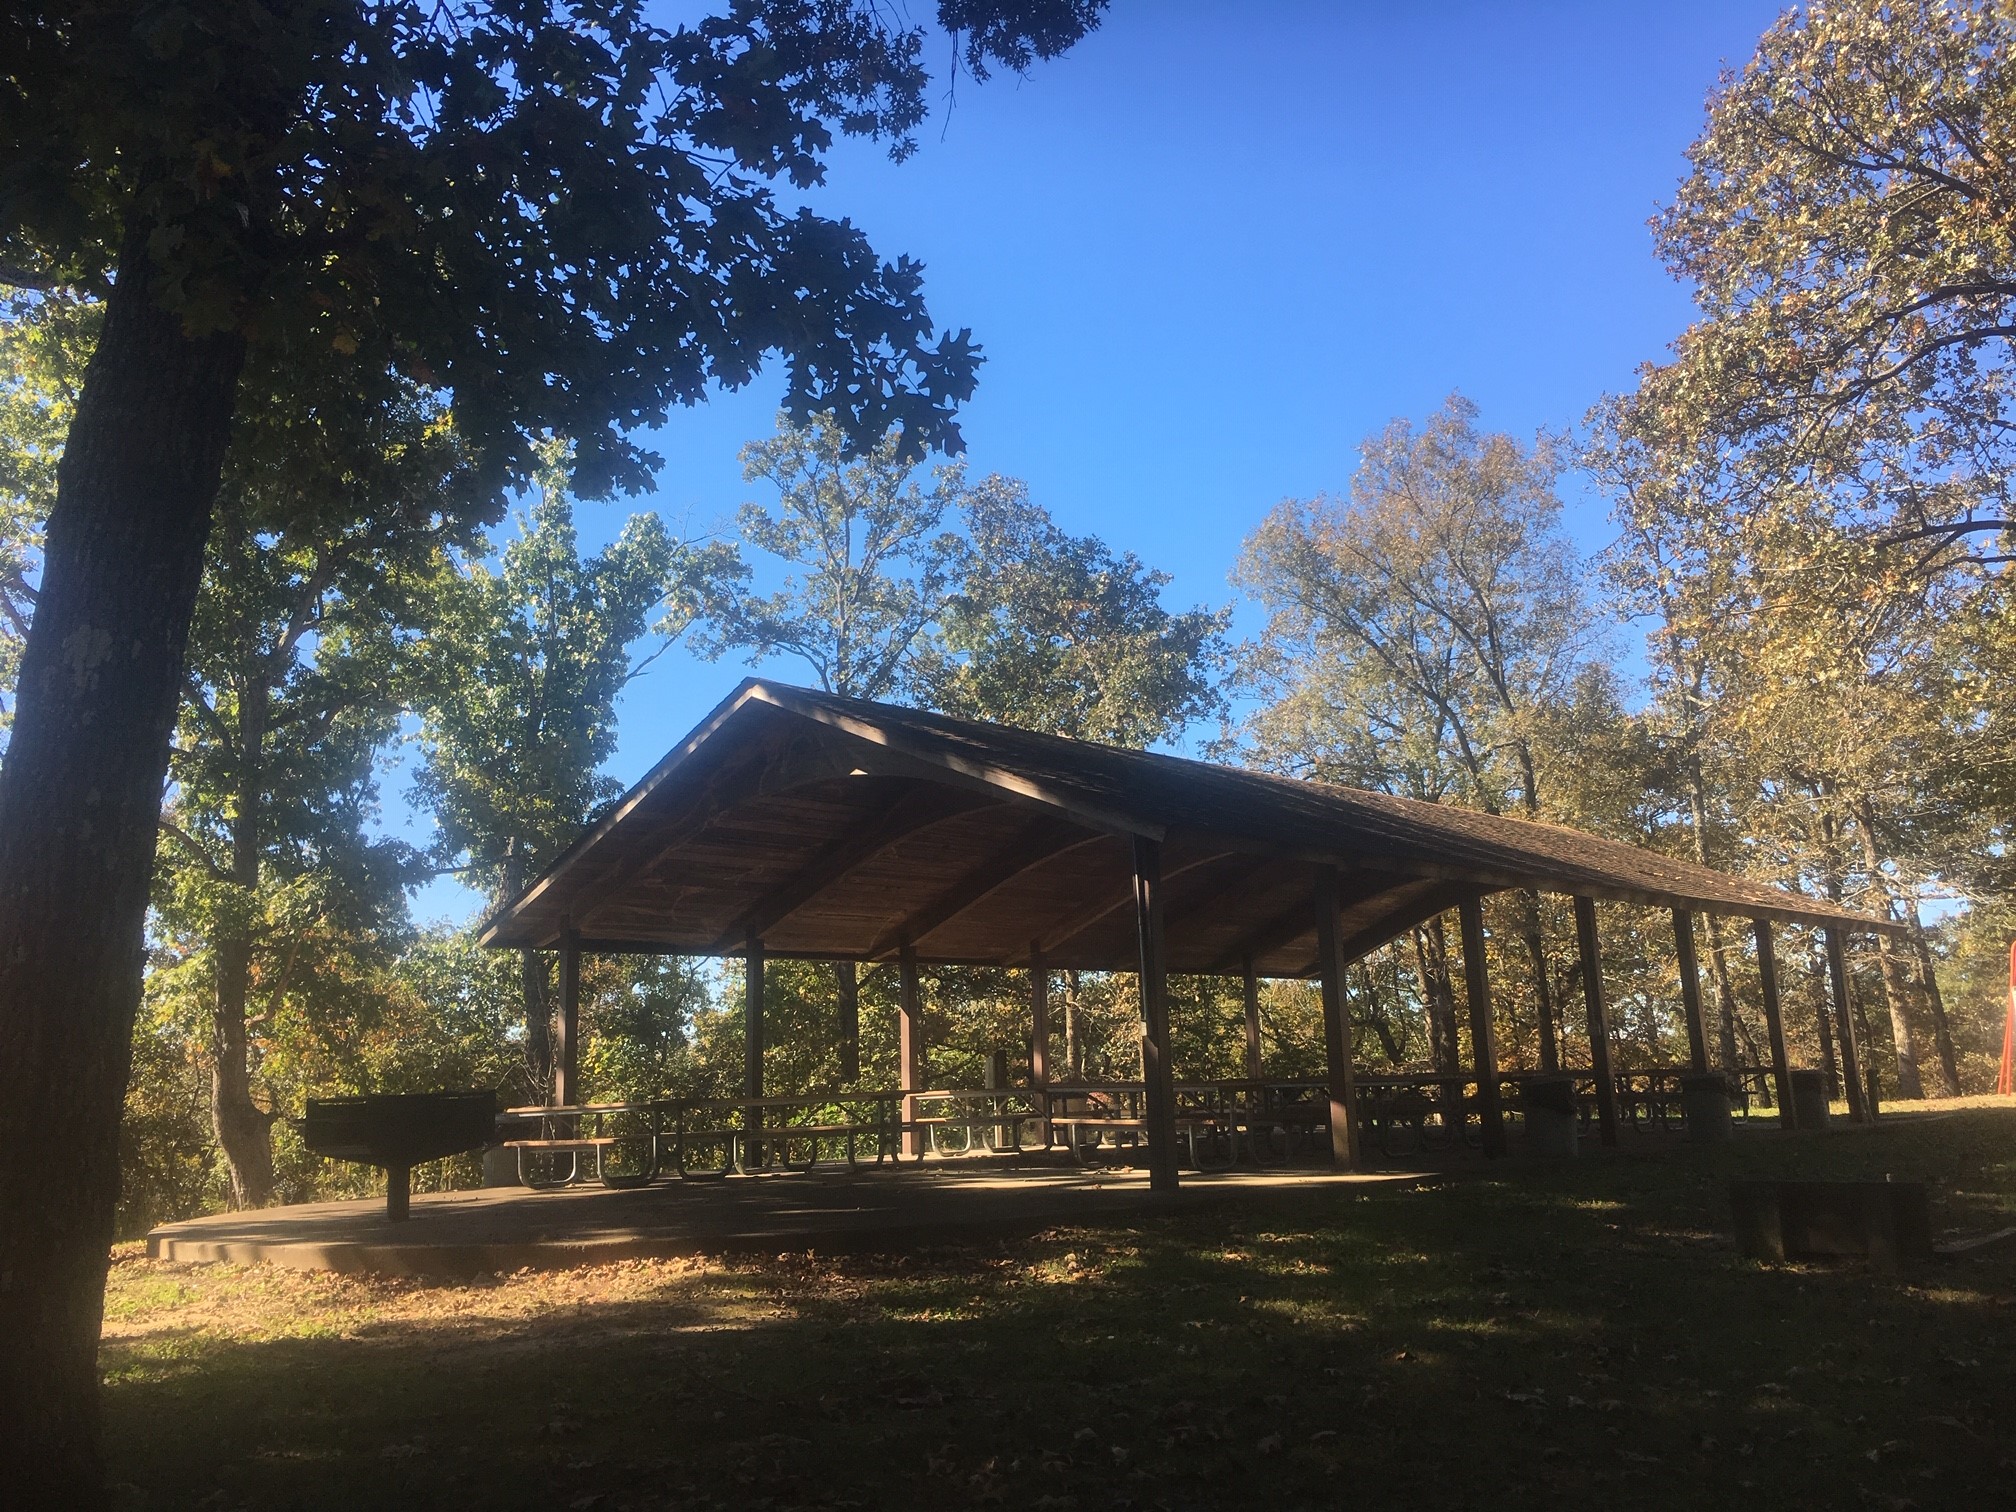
(500, 1167)
(1548, 1104)
(1704, 1098)
(1809, 1099)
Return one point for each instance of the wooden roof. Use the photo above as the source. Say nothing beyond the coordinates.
(833, 827)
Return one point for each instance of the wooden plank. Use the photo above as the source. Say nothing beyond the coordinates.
(1159, 1093)
(916, 809)
(1589, 947)
(1039, 843)
(1774, 1023)
(1344, 1142)
(1483, 1035)
(1844, 1027)
(1690, 989)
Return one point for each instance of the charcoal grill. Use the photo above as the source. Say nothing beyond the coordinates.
(396, 1131)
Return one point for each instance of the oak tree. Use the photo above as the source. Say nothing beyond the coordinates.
(559, 215)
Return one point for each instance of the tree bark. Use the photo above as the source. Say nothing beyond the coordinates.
(1825, 1029)
(1543, 986)
(1431, 954)
(244, 1130)
(534, 984)
(1896, 983)
(80, 805)
(1074, 1028)
(1375, 1017)
(1431, 960)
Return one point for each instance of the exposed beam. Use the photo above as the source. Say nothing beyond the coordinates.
(1040, 842)
(912, 811)
(1077, 924)
(1285, 928)
(793, 765)
(1362, 942)
(999, 776)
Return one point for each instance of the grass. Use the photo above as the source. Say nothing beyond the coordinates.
(1525, 1336)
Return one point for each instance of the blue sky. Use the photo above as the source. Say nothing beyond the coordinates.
(1216, 245)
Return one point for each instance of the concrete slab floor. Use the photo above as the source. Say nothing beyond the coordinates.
(510, 1228)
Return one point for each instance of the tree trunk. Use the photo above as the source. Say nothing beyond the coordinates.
(1438, 997)
(1896, 983)
(1821, 1022)
(536, 981)
(244, 1130)
(534, 984)
(1942, 1030)
(1431, 947)
(80, 804)
(1543, 985)
(1718, 955)
(1074, 1028)
(1375, 1016)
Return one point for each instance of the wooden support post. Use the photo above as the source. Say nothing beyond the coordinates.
(1844, 1026)
(1483, 1038)
(1690, 989)
(1252, 1023)
(1156, 1073)
(567, 1063)
(1039, 1019)
(848, 979)
(1590, 948)
(909, 1044)
(1344, 1143)
(752, 1050)
(1774, 1021)
(1039, 1033)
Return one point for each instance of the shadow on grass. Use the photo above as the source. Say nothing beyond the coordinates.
(1531, 1335)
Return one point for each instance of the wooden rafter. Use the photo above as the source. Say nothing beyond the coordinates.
(1079, 924)
(1042, 841)
(914, 809)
